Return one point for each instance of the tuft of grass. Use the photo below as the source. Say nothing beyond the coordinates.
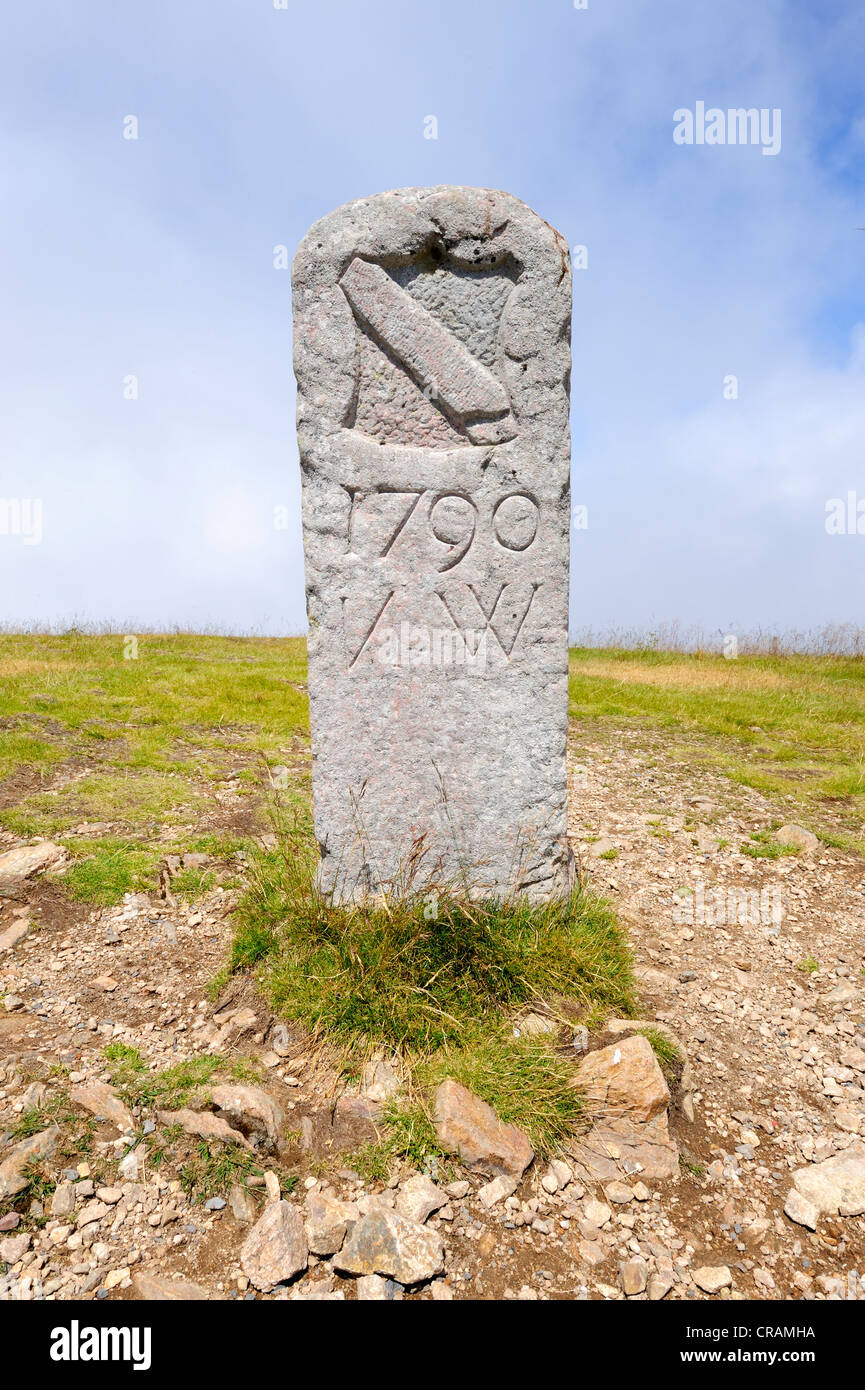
(110, 869)
(190, 884)
(212, 1172)
(440, 988)
(526, 1081)
(168, 1089)
(390, 973)
(125, 1064)
(808, 965)
(761, 847)
(407, 1133)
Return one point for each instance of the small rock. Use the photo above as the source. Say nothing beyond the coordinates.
(372, 1288)
(130, 1166)
(712, 1278)
(13, 1169)
(618, 1193)
(634, 1276)
(13, 1247)
(835, 1187)
(796, 836)
(25, 861)
(384, 1242)
(63, 1199)
(419, 1197)
(658, 1287)
(596, 1212)
(592, 1253)
(327, 1222)
(467, 1126)
(845, 993)
(252, 1106)
(92, 1211)
(459, 1189)
(276, 1248)
(102, 1100)
(10, 938)
(110, 1195)
(380, 1081)
(205, 1125)
(242, 1204)
(496, 1191)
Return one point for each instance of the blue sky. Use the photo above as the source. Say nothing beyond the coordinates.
(154, 259)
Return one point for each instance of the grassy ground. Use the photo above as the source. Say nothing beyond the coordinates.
(144, 743)
(439, 982)
(126, 758)
(790, 726)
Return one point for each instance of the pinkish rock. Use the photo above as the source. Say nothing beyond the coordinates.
(467, 1126)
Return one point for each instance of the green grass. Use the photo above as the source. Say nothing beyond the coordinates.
(211, 1172)
(441, 991)
(389, 974)
(104, 870)
(789, 726)
(139, 744)
(761, 846)
(808, 966)
(169, 1089)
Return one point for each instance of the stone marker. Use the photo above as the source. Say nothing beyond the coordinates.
(431, 342)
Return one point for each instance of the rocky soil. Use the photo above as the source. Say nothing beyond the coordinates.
(736, 1170)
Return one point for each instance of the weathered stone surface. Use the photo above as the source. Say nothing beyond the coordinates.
(249, 1104)
(275, 1249)
(432, 359)
(242, 1204)
(13, 1247)
(380, 1081)
(634, 1276)
(712, 1278)
(625, 1079)
(383, 1242)
(467, 1126)
(419, 1197)
(625, 1089)
(327, 1222)
(797, 836)
(834, 1187)
(205, 1125)
(151, 1288)
(371, 1288)
(90, 1212)
(12, 935)
(63, 1199)
(801, 1209)
(505, 1185)
(13, 1167)
(21, 863)
(103, 1101)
